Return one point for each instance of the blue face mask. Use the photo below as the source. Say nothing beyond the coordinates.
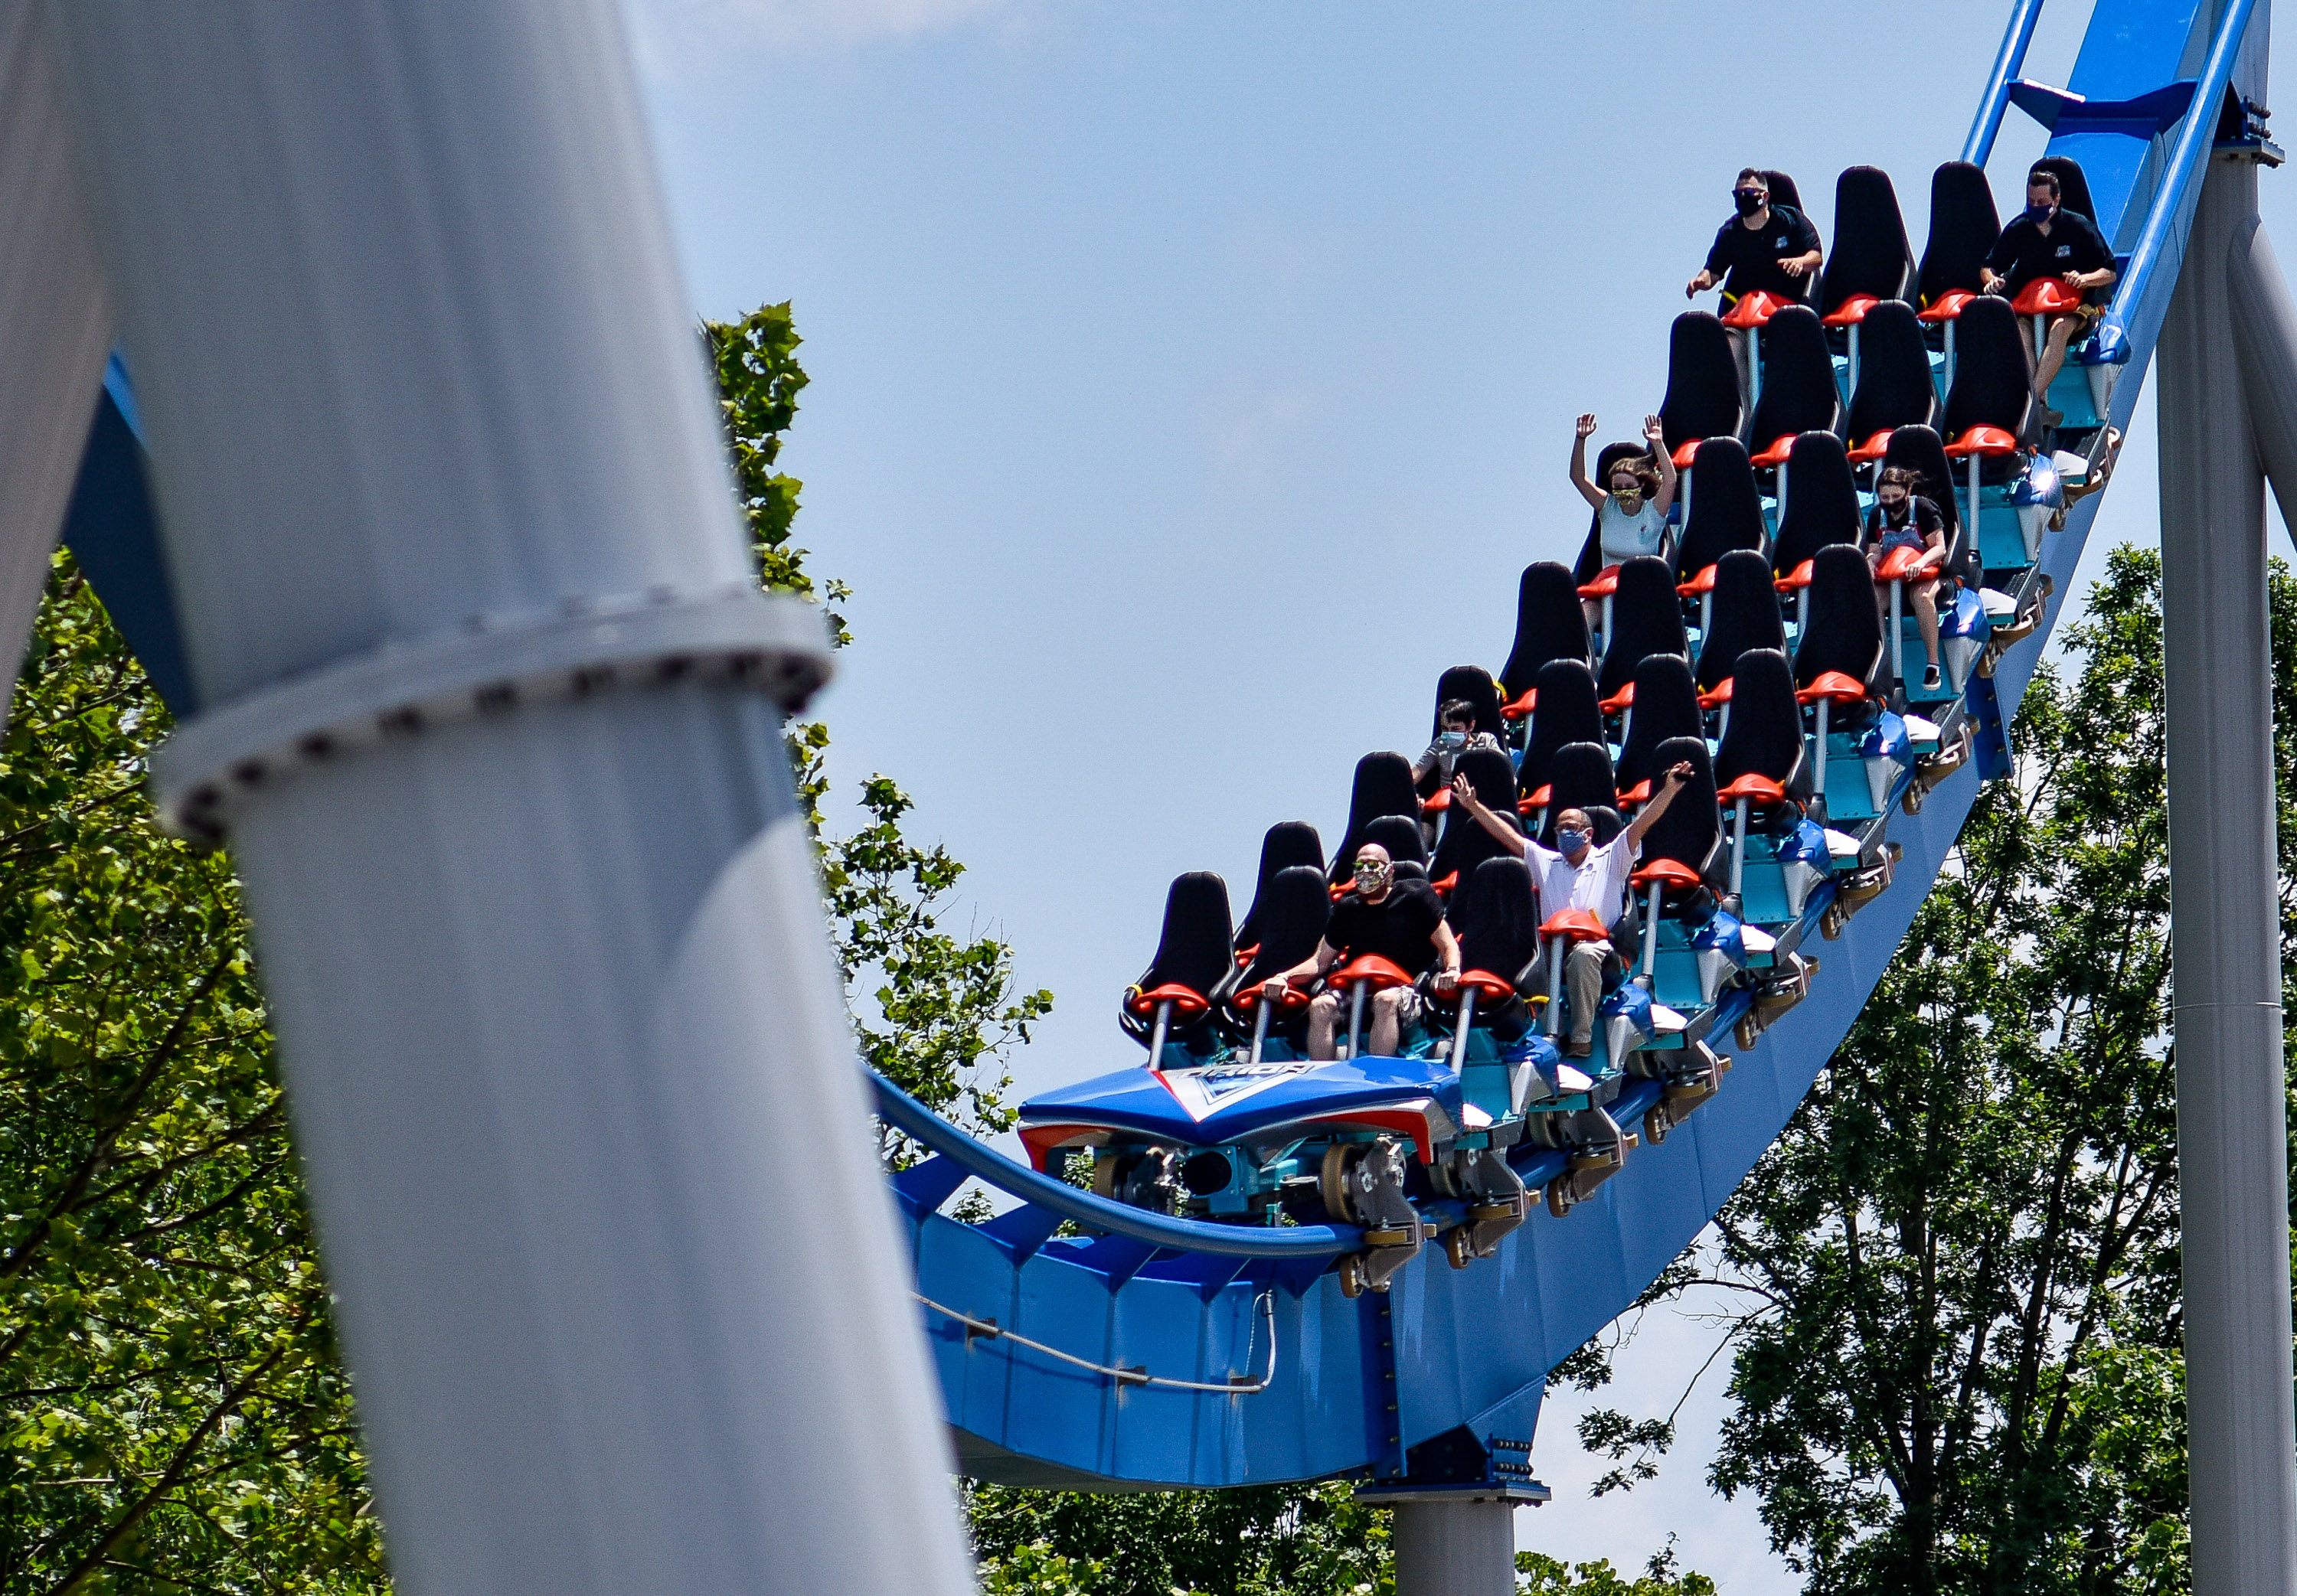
(2038, 214)
(1455, 740)
(1569, 840)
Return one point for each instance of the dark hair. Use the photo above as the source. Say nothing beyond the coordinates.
(2042, 177)
(1901, 476)
(1757, 173)
(1457, 709)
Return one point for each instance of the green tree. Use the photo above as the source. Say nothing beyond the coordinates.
(174, 1413)
(1957, 1349)
(1260, 1540)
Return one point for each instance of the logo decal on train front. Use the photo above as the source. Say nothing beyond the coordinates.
(1206, 1092)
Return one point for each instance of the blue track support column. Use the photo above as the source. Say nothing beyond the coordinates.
(2232, 1142)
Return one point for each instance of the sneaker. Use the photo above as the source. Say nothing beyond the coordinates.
(1930, 680)
(2053, 418)
(1579, 1046)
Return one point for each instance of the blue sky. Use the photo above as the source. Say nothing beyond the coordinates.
(1191, 380)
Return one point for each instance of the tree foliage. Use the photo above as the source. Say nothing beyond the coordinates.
(1951, 1287)
(174, 1413)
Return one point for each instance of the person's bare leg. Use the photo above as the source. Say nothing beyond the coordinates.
(1323, 1019)
(1384, 1040)
(2054, 356)
(1925, 597)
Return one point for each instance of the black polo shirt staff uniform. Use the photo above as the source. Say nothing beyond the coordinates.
(1747, 260)
(2024, 253)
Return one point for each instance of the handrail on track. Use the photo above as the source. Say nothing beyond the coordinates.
(2007, 64)
(2188, 160)
(1100, 1212)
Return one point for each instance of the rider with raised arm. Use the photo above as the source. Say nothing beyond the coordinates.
(1402, 922)
(1631, 507)
(1576, 873)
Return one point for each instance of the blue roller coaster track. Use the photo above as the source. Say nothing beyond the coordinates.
(1084, 1343)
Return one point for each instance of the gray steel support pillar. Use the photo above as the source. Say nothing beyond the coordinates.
(543, 944)
(55, 328)
(1455, 1549)
(2232, 1145)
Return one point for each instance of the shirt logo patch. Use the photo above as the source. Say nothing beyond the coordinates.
(2064, 249)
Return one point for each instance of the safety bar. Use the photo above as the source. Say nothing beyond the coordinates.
(1100, 1212)
(2007, 64)
(2177, 193)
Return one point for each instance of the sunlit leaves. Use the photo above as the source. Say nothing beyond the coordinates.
(172, 1411)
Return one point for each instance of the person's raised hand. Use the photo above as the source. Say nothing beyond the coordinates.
(1655, 433)
(1587, 425)
(1678, 774)
(1463, 791)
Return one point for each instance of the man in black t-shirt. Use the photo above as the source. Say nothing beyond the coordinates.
(1402, 922)
(1765, 246)
(2046, 240)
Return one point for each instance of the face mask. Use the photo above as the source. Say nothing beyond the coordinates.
(1369, 876)
(1630, 504)
(1894, 510)
(1570, 840)
(1748, 200)
(1455, 740)
(2038, 214)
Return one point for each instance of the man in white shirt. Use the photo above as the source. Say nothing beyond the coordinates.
(1576, 873)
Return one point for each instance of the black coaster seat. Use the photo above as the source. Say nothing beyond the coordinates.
(1549, 625)
(1465, 843)
(1666, 706)
(1743, 613)
(1194, 969)
(1287, 845)
(1383, 787)
(1568, 712)
(1646, 618)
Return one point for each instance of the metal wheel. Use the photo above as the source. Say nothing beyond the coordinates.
(1456, 1250)
(1351, 1276)
(1656, 1124)
(1747, 1031)
(1332, 1185)
(1559, 1199)
(1831, 923)
(1912, 801)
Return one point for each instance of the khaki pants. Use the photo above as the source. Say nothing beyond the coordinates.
(1588, 967)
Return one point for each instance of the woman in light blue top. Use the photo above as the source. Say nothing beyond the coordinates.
(1631, 516)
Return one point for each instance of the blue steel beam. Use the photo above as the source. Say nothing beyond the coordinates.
(2007, 62)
